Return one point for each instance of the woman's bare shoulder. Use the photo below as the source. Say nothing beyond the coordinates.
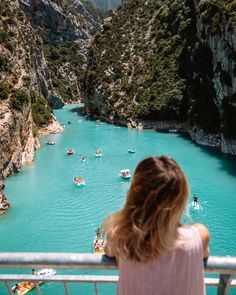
(205, 237)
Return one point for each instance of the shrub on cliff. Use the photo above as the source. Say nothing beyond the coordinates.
(19, 99)
(41, 111)
(5, 64)
(4, 91)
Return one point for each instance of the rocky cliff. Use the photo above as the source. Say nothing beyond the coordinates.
(25, 91)
(65, 27)
(167, 61)
(216, 29)
(43, 47)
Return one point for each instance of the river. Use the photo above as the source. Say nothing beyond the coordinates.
(49, 213)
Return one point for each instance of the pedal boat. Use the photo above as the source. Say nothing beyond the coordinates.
(125, 174)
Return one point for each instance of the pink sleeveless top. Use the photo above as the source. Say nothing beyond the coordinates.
(179, 272)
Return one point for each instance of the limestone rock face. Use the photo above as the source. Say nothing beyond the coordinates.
(203, 138)
(53, 128)
(17, 144)
(57, 20)
(65, 27)
(217, 30)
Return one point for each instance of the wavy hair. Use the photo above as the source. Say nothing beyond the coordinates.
(148, 224)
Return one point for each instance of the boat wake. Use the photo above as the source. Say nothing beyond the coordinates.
(196, 207)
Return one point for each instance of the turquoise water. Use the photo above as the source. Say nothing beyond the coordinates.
(49, 213)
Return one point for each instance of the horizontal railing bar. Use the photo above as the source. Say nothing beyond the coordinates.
(215, 264)
(56, 260)
(85, 279)
(223, 265)
(233, 284)
(215, 282)
(211, 281)
(110, 279)
(60, 278)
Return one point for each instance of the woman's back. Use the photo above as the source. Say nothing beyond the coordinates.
(163, 258)
(179, 272)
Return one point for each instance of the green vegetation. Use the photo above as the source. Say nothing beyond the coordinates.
(41, 111)
(5, 64)
(19, 99)
(212, 10)
(138, 59)
(4, 91)
(35, 132)
(7, 10)
(147, 63)
(64, 61)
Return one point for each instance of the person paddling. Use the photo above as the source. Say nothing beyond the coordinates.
(195, 199)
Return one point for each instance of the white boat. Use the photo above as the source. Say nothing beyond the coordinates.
(125, 174)
(50, 142)
(25, 287)
(46, 272)
(132, 151)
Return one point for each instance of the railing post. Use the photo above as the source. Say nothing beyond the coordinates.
(37, 288)
(8, 288)
(224, 284)
(66, 289)
(96, 288)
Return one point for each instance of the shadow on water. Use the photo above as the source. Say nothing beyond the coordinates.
(227, 162)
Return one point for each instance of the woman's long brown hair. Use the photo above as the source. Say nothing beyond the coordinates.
(148, 224)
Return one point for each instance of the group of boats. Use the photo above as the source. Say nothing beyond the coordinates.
(25, 287)
(98, 154)
(79, 181)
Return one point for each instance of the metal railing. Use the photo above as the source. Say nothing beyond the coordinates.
(224, 266)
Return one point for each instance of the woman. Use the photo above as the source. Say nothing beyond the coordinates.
(156, 254)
